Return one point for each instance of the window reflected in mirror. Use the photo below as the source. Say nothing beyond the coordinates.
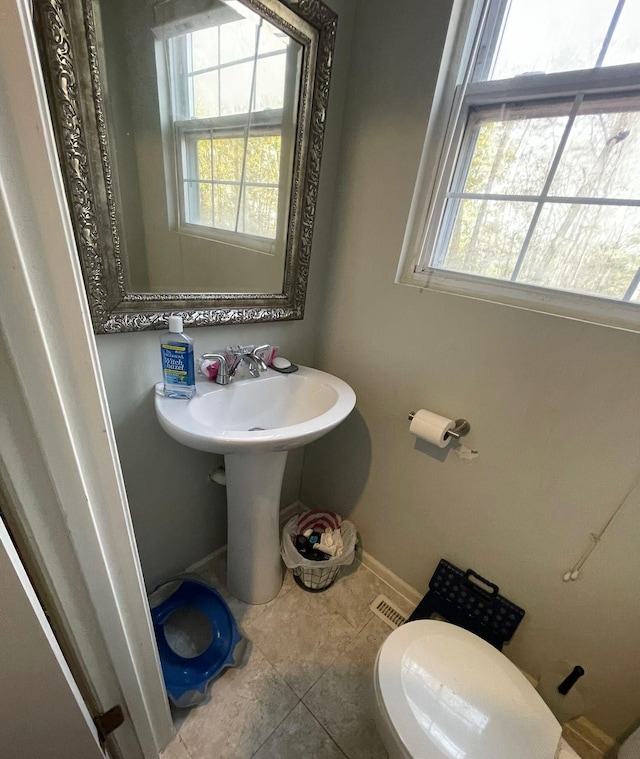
(233, 120)
(190, 136)
(204, 117)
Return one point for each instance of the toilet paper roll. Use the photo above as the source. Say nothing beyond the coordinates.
(431, 427)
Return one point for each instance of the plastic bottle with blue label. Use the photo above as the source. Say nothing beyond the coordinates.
(178, 371)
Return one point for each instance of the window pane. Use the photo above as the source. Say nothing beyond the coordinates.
(513, 153)
(204, 154)
(205, 95)
(227, 159)
(625, 43)
(551, 35)
(198, 206)
(226, 206)
(602, 155)
(263, 160)
(261, 211)
(235, 88)
(238, 40)
(270, 82)
(584, 248)
(487, 236)
(272, 39)
(204, 49)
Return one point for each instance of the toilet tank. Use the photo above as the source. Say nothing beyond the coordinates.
(448, 693)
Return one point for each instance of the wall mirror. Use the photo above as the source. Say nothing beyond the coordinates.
(190, 139)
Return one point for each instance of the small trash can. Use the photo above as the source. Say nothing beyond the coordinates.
(316, 576)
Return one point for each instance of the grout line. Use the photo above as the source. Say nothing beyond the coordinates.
(584, 730)
(333, 661)
(286, 717)
(322, 727)
(326, 729)
(324, 671)
(281, 674)
(184, 746)
(338, 654)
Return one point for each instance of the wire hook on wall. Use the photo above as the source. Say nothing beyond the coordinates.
(574, 572)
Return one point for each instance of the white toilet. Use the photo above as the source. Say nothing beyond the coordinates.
(443, 692)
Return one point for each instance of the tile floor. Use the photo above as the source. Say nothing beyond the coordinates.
(305, 689)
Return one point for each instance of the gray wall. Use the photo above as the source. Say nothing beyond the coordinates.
(178, 515)
(553, 403)
(550, 400)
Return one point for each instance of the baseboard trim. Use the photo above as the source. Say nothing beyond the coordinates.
(595, 739)
(297, 507)
(206, 559)
(410, 594)
(285, 514)
(581, 727)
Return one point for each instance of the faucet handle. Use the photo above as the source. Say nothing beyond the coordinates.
(256, 353)
(253, 352)
(241, 350)
(223, 377)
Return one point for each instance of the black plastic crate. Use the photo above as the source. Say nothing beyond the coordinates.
(469, 600)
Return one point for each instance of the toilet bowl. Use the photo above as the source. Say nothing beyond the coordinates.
(443, 692)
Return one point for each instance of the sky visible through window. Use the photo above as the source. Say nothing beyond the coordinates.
(565, 35)
(221, 62)
(547, 190)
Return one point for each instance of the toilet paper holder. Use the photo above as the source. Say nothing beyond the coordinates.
(462, 427)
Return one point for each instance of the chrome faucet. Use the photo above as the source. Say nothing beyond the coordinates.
(223, 377)
(245, 354)
(254, 364)
(249, 354)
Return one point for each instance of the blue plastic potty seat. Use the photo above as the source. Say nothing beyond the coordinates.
(187, 678)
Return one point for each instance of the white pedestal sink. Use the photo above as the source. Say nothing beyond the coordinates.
(254, 423)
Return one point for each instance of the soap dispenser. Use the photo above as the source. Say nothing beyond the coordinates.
(178, 370)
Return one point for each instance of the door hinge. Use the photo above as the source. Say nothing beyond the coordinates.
(108, 721)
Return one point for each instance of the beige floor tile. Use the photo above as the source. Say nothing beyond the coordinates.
(299, 736)
(175, 750)
(343, 699)
(301, 635)
(353, 591)
(246, 706)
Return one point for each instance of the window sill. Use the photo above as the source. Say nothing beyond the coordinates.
(586, 308)
(250, 243)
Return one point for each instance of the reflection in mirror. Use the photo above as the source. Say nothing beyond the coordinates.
(193, 163)
(208, 102)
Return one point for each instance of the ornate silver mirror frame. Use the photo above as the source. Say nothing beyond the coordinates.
(68, 44)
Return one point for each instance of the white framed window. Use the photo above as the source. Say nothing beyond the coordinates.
(529, 190)
(231, 124)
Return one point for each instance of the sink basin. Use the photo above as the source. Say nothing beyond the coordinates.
(273, 412)
(254, 423)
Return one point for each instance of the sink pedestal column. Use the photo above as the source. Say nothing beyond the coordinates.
(254, 482)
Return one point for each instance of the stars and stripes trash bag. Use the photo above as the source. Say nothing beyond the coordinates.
(311, 575)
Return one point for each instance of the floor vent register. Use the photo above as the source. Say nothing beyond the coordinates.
(387, 611)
